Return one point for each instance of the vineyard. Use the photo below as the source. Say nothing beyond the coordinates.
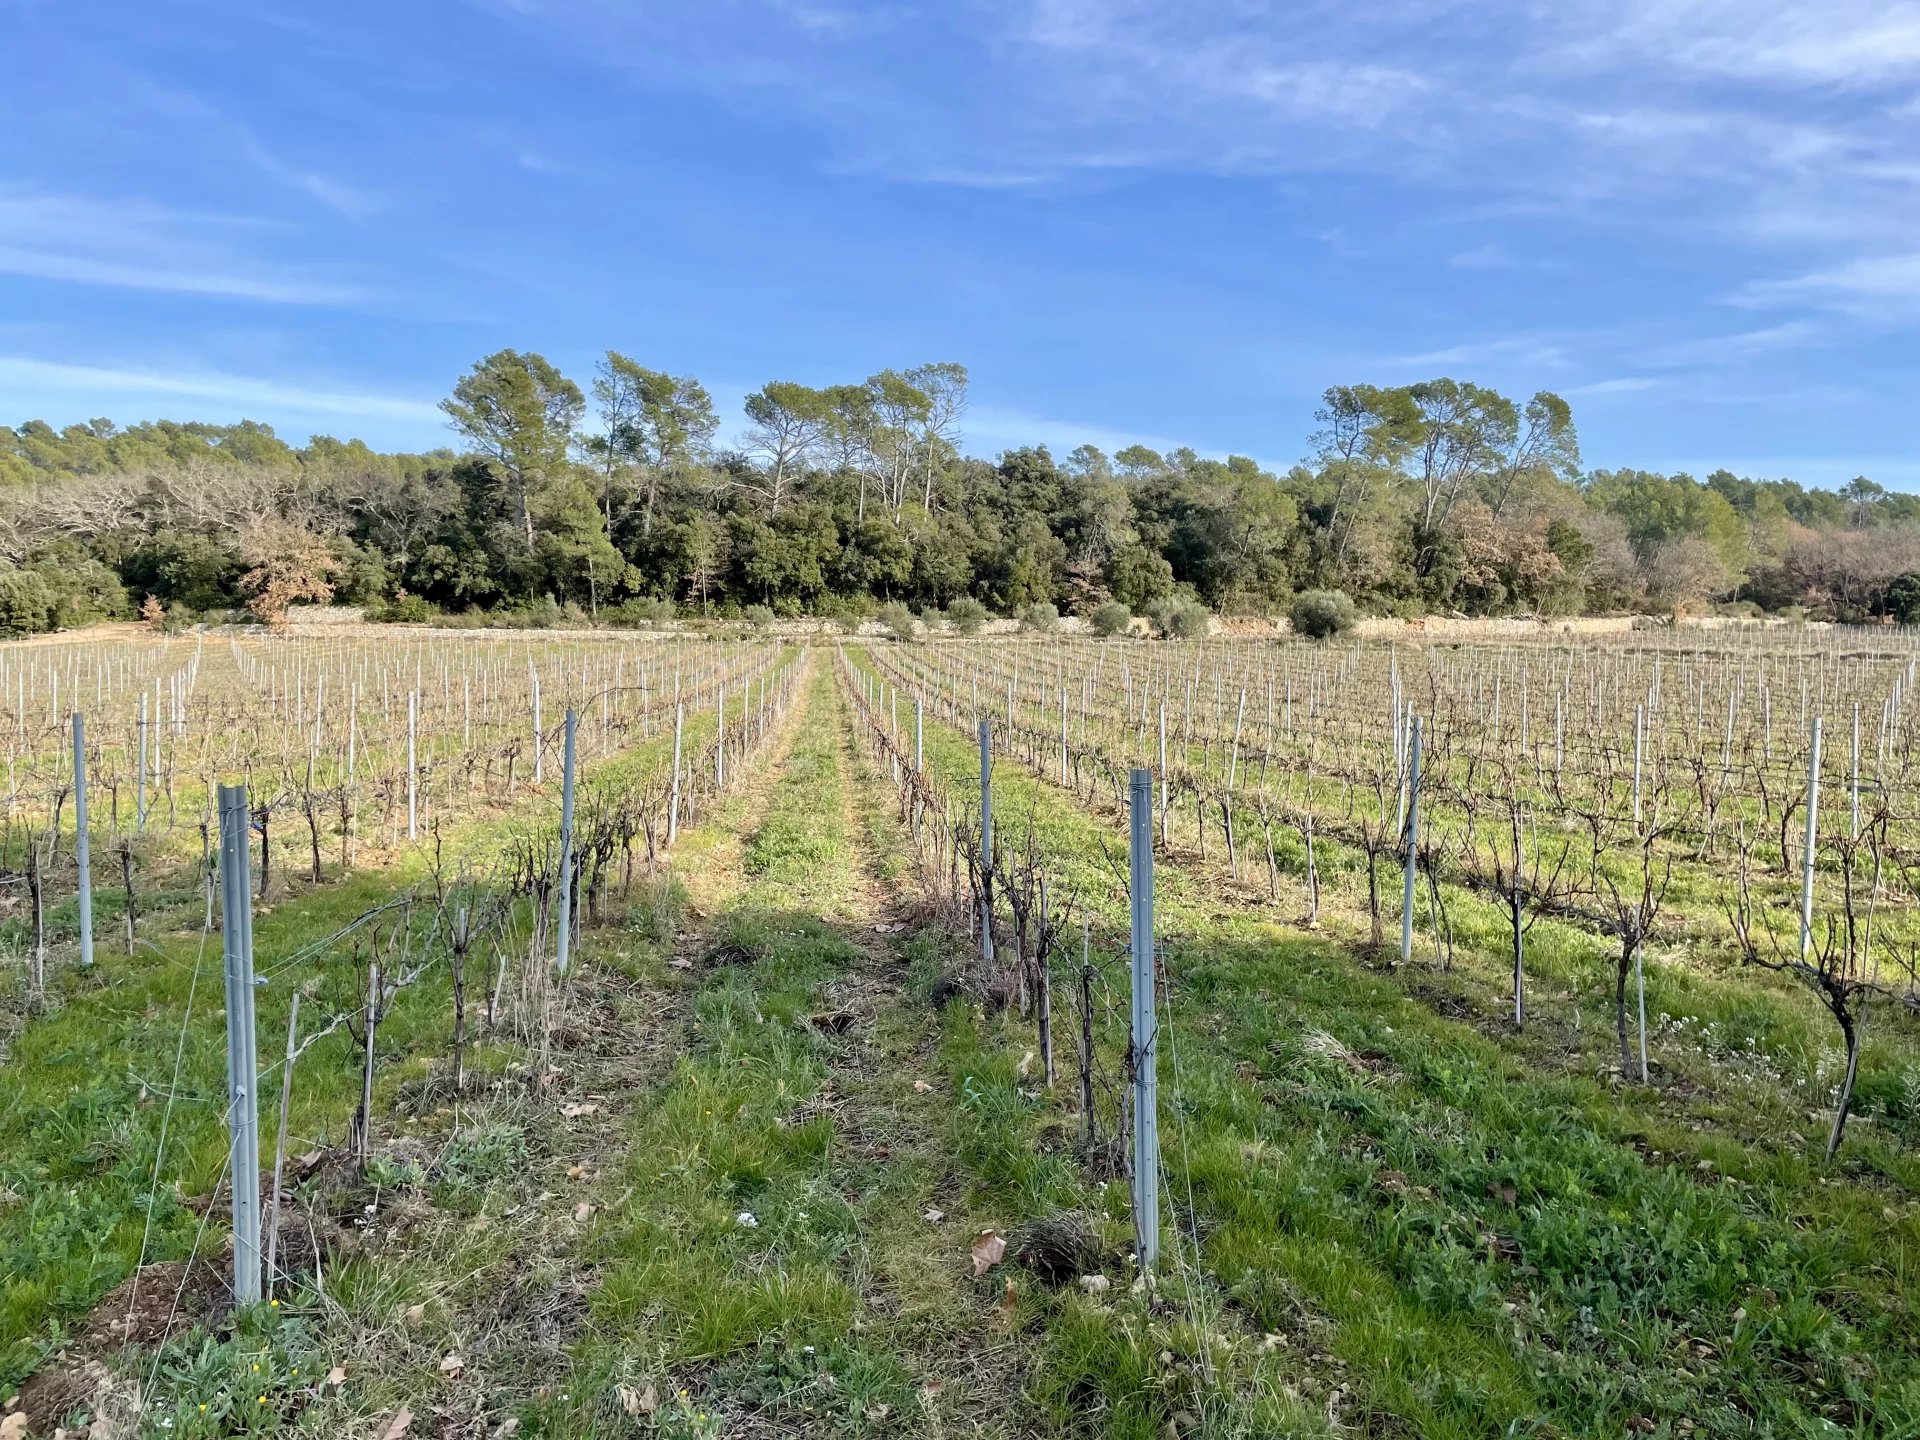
(640, 1034)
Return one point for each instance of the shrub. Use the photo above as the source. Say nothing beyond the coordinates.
(27, 603)
(1903, 598)
(899, 620)
(1190, 620)
(403, 608)
(1112, 618)
(847, 611)
(1041, 616)
(542, 613)
(165, 619)
(642, 610)
(966, 615)
(758, 616)
(83, 589)
(1179, 617)
(1318, 614)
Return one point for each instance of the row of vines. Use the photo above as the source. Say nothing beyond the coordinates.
(1740, 802)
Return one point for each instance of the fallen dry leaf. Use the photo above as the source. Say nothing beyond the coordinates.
(336, 1377)
(933, 1216)
(1026, 1065)
(452, 1364)
(401, 1423)
(583, 1211)
(989, 1248)
(922, 1087)
(574, 1112)
(14, 1427)
(1009, 1302)
(637, 1402)
(576, 1172)
(416, 1313)
(1095, 1284)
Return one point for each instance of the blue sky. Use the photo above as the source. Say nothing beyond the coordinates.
(1167, 220)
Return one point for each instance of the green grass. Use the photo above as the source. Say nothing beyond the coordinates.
(1379, 1220)
(1740, 1288)
(803, 1199)
(1722, 1024)
(733, 1279)
(84, 1092)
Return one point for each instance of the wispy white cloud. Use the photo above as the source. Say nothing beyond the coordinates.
(142, 246)
(1197, 86)
(1799, 395)
(1709, 368)
(982, 179)
(1495, 256)
(1579, 107)
(1780, 132)
(991, 428)
(1877, 286)
(1483, 257)
(1843, 42)
(31, 382)
(1518, 350)
(337, 195)
(830, 19)
(1782, 125)
(1742, 345)
(85, 270)
(1621, 385)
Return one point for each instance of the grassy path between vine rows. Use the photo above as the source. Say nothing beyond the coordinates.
(790, 1252)
(1466, 1244)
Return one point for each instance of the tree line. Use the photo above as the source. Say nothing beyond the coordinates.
(620, 503)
